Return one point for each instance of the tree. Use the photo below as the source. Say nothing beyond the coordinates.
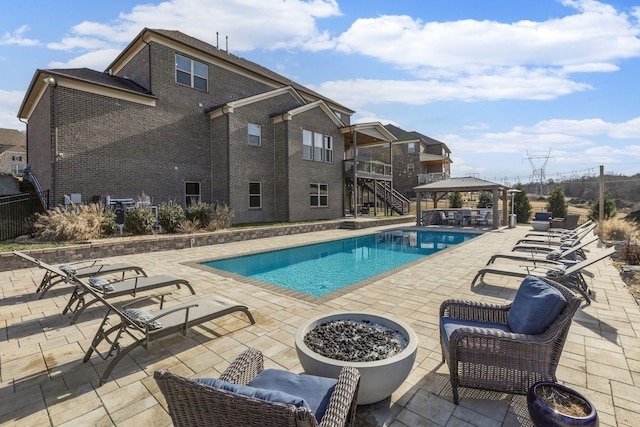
(557, 204)
(521, 205)
(485, 200)
(609, 209)
(455, 200)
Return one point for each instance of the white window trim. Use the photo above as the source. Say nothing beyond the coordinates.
(192, 73)
(259, 134)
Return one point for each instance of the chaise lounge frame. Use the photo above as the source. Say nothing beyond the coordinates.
(176, 319)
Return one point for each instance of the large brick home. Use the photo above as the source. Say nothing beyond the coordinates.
(418, 159)
(175, 118)
(13, 153)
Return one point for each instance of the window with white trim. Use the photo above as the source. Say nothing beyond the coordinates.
(328, 149)
(411, 147)
(191, 73)
(317, 147)
(319, 195)
(192, 193)
(255, 195)
(255, 134)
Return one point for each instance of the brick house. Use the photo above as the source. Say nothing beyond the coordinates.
(176, 118)
(13, 153)
(417, 159)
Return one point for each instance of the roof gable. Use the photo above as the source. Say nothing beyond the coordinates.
(230, 106)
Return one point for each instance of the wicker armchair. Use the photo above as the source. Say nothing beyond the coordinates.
(493, 358)
(192, 403)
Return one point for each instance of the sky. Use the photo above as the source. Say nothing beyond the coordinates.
(515, 89)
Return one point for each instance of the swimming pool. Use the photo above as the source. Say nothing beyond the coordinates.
(322, 268)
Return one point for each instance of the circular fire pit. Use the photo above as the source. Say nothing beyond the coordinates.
(379, 378)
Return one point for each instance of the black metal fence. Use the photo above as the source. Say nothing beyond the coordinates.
(15, 212)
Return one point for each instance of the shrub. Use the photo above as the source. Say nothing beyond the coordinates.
(75, 223)
(485, 200)
(455, 200)
(139, 220)
(630, 253)
(200, 212)
(618, 230)
(609, 209)
(108, 226)
(557, 203)
(222, 217)
(169, 215)
(521, 205)
(188, 226)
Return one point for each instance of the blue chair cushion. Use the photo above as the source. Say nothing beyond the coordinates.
(542, 216)
(535, 307)
(271, 395)
(316, 391)
(450, 324)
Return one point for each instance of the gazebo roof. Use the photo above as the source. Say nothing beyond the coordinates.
(460, 184)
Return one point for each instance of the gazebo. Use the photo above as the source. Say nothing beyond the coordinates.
(440, 189)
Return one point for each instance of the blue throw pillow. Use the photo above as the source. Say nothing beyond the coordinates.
(271, 395)
(535, 307)
(316, 391)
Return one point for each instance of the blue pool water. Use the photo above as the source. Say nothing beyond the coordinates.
(322, 268)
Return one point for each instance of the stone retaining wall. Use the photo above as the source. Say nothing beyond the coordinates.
(132, 245)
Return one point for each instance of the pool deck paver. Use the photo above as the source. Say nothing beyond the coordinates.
(43, 380)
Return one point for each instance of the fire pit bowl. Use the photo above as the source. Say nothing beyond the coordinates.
(378, 379)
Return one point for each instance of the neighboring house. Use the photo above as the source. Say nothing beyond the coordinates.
(13, 153)
(176, 118)
(417, 159)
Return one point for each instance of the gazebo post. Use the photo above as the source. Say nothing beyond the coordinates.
(418, 200)
(496, 211)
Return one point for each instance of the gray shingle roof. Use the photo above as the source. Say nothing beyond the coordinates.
(460, 184)
(104, 79)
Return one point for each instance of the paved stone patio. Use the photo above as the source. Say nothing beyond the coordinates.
(44, 381)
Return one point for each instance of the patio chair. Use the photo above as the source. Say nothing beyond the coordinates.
(246, 395)
(569, 274)
(134, 327)
(558, 240)
(81, 297)
(483, 217)
(507, 348)
(569, 252)
(60, 274)
(569, 222)
(559, 231)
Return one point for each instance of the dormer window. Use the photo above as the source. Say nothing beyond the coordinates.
(191, 73)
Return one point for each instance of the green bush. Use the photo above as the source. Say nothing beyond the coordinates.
(169, 215)
(108, 226)
(521, 205)
(139, 220)
(485, 200)
(455, 200)
(557, 203)
(222, 217)
(74, 223)
(609, 209)
(200, 212)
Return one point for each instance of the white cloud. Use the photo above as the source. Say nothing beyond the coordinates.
(10, 101)
(17, 38)
(96, 60)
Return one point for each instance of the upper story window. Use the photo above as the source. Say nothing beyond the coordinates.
(411, 147)
(191, 73)
(317, 147)
(319, 195)
(255, 134)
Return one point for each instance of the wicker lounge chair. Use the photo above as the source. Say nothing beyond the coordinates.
(569, 222)
(131, 327)
(57, 274)
(81, 297)
(205, 402)
(483, 352)
(569, 275)
(546, 256)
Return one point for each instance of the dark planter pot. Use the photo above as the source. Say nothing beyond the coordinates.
(543, 415)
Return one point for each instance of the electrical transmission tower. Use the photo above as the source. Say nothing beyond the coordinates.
(538, 177)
